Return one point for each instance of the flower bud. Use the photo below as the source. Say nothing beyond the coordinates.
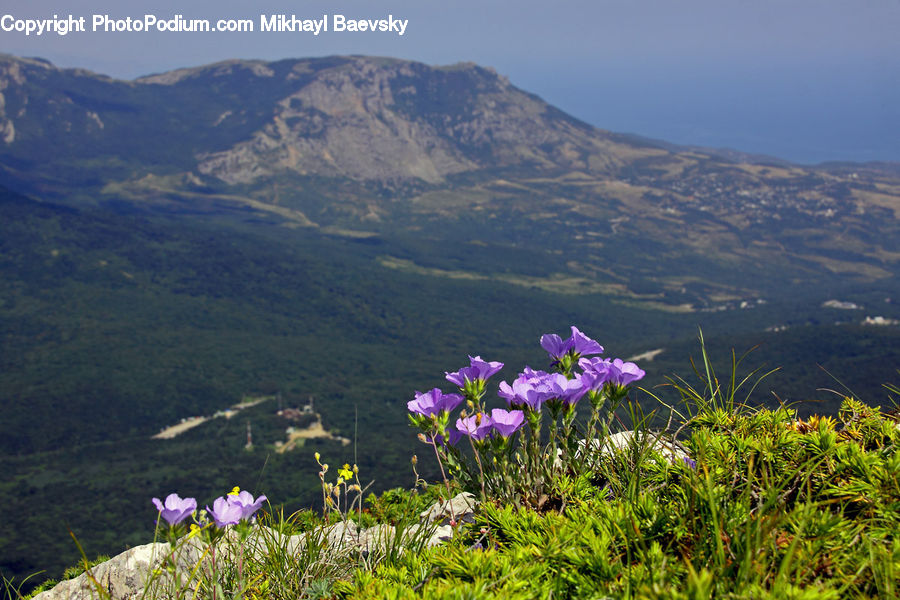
(415, 460)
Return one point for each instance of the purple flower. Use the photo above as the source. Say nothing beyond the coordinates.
(578, 343)
(225, 512)
(478, 369)
(247, 503)
(576, 388)
(506, 422)
(624, 373)
(554, 385)
(596, 371)
(524, 391)
(433, 403)
(583, 345)
(616, 372)
(175, 510)
(529, 372)
(533, 388)
(453, 435)
(475, 426)
(690, 462)
(554, 345)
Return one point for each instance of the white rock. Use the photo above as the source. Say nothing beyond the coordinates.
(462, 506)
(127, 575)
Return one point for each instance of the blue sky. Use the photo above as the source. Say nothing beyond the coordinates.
(807, 80)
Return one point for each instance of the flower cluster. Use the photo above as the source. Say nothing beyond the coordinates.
(433, 403)
(494, 431)
(235, 507)
(531, 389)
(430, 411)
(348, 477)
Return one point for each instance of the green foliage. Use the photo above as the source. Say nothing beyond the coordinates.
(777, 507)
(398, 505)
(115, 325)
(764, 515)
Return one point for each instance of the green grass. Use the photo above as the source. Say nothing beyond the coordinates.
(775, 507)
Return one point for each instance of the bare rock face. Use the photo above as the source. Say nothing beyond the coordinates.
(344, 123)
(460, 508)
(10, 74)
(369, 119)
(128, 575)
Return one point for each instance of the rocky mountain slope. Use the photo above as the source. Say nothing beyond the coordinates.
(396, 149)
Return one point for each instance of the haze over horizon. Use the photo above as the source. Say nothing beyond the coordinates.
(797, 80)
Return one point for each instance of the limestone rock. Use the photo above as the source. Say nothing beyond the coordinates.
(461, 508)
(621, 441)
(127, 575)
(137, 571)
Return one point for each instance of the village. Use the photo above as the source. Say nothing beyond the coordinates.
(307, 424)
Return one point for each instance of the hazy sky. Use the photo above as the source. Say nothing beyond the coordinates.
(808, 80)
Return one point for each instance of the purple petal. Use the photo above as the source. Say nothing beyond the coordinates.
(449, 401)
(475, 426)
(225, 512)
(484, 368)
(622, 373)
(458, 378)
(507, 393)
(433, 402)
(506, 422)
(175, 509)
(584, 345)
(554, 345)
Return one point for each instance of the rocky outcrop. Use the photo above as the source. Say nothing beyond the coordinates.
(155, 570)
(129, 574)
(368, 119)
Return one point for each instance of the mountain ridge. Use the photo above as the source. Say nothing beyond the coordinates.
(389, 147)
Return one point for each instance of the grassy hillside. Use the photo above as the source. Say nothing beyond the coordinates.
(115, 325)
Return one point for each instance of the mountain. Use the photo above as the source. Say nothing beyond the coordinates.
(350, 228)
(386, 148)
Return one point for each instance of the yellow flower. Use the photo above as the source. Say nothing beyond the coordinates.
(234, 491)
(345, 472)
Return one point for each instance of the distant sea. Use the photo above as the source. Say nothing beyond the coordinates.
(804, 114)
